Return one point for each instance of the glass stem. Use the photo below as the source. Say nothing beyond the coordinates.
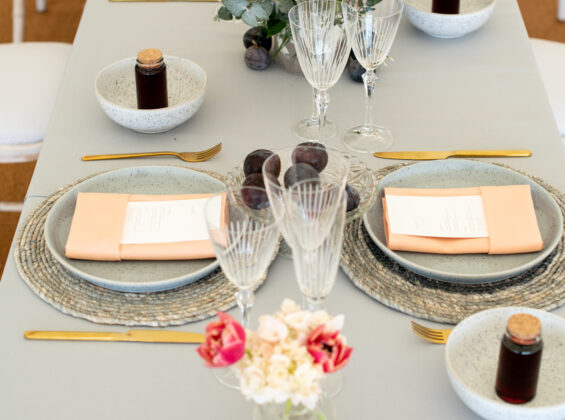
(369, 80)
(244, 299)
(313, 304)
(314, 118)
(322, 99)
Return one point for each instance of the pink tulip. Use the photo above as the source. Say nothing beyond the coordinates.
(328, 349)
(225, 342)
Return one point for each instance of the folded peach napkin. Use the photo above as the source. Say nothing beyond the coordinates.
(510, 219)
(98, 224)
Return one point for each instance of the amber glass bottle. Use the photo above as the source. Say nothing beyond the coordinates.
(519, 359)
(448, 7)
(151, 79)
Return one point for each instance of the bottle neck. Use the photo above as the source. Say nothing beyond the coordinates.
(521, 341)
(151, 66)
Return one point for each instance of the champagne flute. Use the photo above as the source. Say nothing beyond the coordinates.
(371, 39)
(319, 31)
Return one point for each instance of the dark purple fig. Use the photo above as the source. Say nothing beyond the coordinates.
(255, 198)
(253, 162)
(312, 153)
(259, 36)
(354, 68)
(353, 198)
(257, 58)
(300, 172)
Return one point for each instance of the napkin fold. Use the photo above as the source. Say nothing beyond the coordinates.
(510, 218)
(98, 224)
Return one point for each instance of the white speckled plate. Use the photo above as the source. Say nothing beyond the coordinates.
(471, 357)
(131, 276)
(470, 268)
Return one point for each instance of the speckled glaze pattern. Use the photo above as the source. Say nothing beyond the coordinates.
(116, 92)
(466, 268)
(131, 276)
(472, 15)
(471, 356)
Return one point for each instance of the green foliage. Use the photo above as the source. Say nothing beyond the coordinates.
(271, 16)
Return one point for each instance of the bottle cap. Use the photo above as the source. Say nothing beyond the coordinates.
(149, 56)
(524, 328)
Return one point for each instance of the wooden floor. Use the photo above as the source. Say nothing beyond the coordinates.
(60, 22)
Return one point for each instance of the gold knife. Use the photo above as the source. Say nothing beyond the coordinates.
(145, 336)
(453, 153)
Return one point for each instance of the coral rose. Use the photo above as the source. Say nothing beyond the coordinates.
(225, 342)
(328, 349)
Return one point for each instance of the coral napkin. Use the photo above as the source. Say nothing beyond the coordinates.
(510, 218)
(98, 224)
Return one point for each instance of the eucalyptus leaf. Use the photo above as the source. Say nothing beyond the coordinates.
(254, 14)
(236, 7)
(224, 13)
(267, 6)
(285, 5)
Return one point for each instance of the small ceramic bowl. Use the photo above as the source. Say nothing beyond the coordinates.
(472, 15)
(471, 356)
(117, 95)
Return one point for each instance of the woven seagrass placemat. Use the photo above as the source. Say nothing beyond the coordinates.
(542, 287)
(78, 297)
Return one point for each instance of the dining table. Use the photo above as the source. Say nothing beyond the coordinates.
(481, 91)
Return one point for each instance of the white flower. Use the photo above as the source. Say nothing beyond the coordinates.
(288, 306)
(271, 329)
(299, 320)
(335, 324)
(251, 380)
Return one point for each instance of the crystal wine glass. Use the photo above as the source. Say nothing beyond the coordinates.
(335, 171)
(316, 213)
(371, 40)
(244, 239)
(319, 32)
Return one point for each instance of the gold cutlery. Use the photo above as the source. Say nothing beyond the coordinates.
(435, 335)
(186, 156)
(145, 336)
(453, 153)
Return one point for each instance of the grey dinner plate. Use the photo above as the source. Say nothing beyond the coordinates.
(469, 268)
(131, 276)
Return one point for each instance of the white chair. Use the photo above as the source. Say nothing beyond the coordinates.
(550, 57)
(30, 76)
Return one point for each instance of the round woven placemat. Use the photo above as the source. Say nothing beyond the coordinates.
(542, 287)
(78, 297)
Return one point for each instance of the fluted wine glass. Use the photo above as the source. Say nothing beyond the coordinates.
(319, 32)
(371, 40)
(244, 236)
(244, 239)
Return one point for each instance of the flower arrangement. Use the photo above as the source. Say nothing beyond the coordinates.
(284, 359)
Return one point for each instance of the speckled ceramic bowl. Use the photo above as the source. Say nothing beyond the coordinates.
(472, 15)
(116, 93)
(471, 356)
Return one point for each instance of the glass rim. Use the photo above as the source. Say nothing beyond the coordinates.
(292, 18)
(400, 8)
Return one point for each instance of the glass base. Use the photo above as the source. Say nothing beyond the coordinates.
(227, 376)
(331, 384)
(368, 138)
(308, 129)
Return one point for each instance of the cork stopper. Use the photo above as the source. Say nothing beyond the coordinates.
(524, 328)
(149, 56)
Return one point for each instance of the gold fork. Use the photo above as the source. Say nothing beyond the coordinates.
(186, 156)
(435, 335)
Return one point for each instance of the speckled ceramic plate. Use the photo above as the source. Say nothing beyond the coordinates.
(131, 276)
(470, 268)
(471, 357)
